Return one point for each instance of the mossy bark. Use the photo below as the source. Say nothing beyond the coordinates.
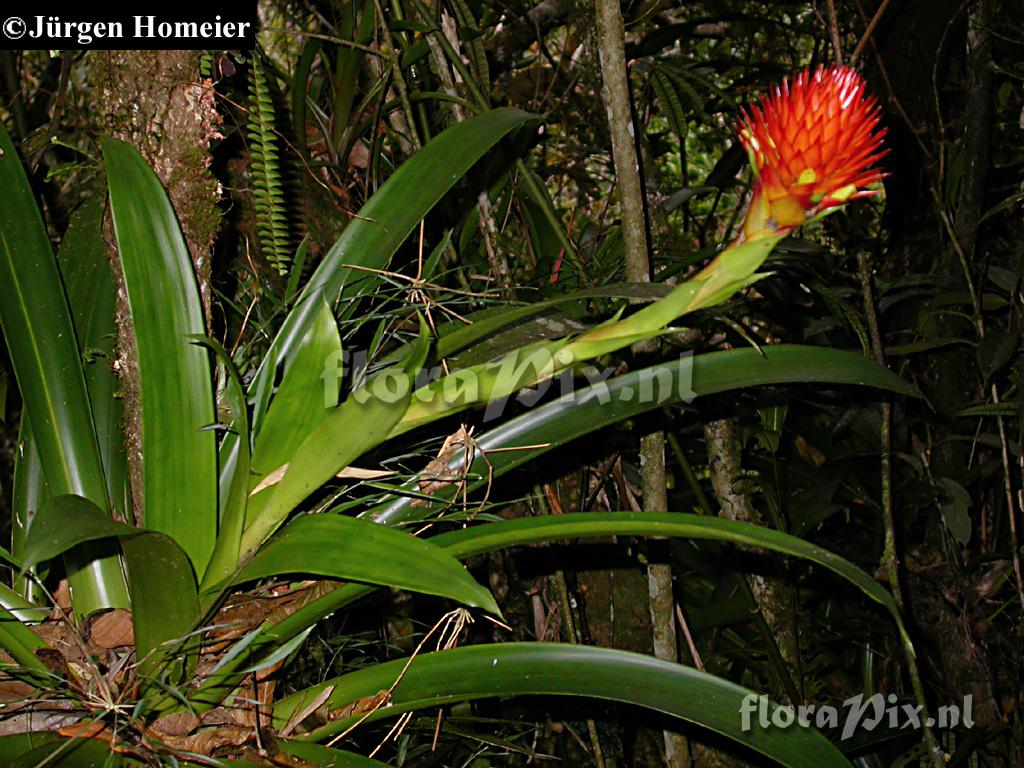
(156, 101)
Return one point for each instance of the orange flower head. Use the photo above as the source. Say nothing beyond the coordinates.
(814, 145)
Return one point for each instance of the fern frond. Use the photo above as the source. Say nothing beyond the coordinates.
(267, 187)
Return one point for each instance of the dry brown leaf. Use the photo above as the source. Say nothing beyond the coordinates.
(205, 741)
(301, 713)
(36, 717)
(358, 473)
(87, 729)
(245, 611)
(221, 716)
(436, 475)
(62, 597)
(176, 724)
(14, 690)
(112, 629)
(97, 729)
(808, 451)
(273, 478)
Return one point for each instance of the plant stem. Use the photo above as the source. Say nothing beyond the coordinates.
(690, 476)
(488, 226)
(619, 107)
(571, 630)
(890, 562)
(400, 85)
(774, 601)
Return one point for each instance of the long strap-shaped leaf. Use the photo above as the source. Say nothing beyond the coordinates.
(164, 603)
(179, 450)
(494, 536)
(573, 416)
(526, 669)
(84, 266)
(27, 495)
(343, 547)
(41, 342)
(383, 224)
(32, 750)
(532, 434)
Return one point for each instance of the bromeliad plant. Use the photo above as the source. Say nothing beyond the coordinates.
(224, 509)
(814, 147)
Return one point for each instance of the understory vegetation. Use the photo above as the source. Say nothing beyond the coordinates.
(470, 384)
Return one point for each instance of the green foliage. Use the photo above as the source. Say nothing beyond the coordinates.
(44, 352)
(179, 469)
(552, 668)
(266, 172)
(283, 506)
(165, 605)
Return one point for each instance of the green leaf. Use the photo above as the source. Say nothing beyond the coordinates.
(362, 422)
(28, 493)
(527, 669)
(995, 351)
(299, 89)
(92, 296)
(43, 748)
(55, 530)
(371, 238)
(330, 758)
(271, 220)
(532, 434)
(304, 398)
(30, 750)
(493, 536)
(483, 383)
(481, 539)
(20, 642)
(234, 495)
(163, 587)
(298, 264)
(164, 600)
(343, 547)
(20, 608)
(1006, 408)
(42, 346)
(179, 451)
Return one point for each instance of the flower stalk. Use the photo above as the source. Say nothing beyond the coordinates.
(814, 146)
